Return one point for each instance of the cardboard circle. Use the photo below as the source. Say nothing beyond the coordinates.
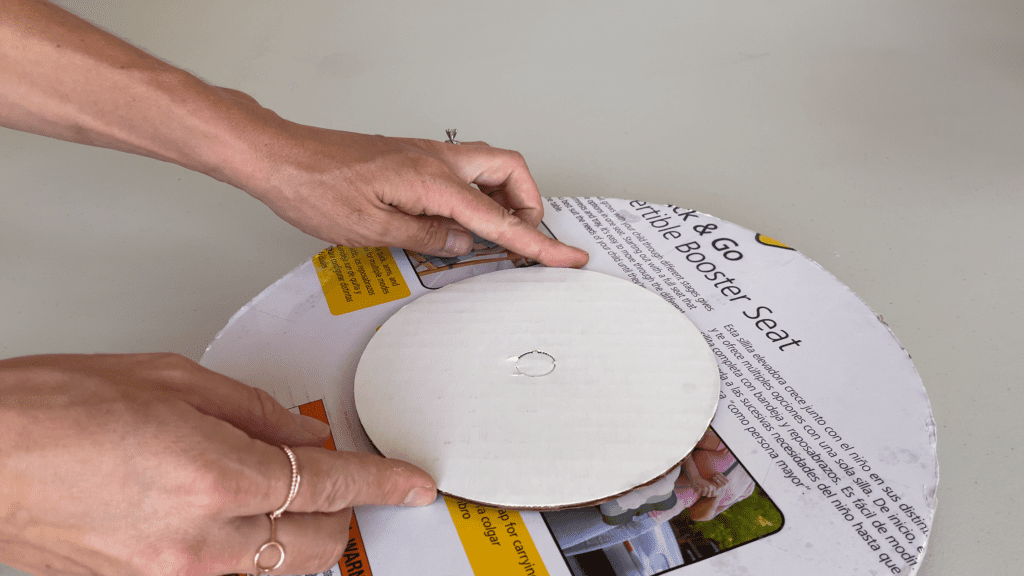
(458, 382)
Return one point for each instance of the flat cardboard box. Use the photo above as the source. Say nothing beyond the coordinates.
(823, 424)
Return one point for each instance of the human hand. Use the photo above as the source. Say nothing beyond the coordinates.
(342, 187)
(134, 464)
(705, 488)
(361, 190)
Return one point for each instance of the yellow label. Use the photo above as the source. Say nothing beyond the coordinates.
(496, 541)
(357, 278)
(769, 241)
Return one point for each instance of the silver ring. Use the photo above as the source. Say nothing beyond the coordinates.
(272, 542)
(452, 132)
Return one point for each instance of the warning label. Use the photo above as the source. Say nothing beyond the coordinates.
(496, 541)
(357, 278)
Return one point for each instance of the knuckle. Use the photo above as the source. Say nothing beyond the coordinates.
(168, 359)
(170, 366)
(365, 226)
(516, 158)
(337, 492)
(433, 235)
(97, 389)
(209, 490)
(264, 405)
(510, 224)
(433, 173)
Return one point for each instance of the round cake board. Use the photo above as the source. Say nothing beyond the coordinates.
(606, 386)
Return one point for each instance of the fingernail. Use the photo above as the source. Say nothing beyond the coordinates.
(458, 243)
(313, 426)
(585, 256)
(420, 497)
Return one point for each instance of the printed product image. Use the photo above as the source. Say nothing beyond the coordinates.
(717, 507)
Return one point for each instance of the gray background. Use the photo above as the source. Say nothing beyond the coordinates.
(885, 140)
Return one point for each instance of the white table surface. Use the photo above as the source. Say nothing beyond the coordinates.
(885, 140)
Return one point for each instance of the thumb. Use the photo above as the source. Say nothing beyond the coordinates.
(434, 235)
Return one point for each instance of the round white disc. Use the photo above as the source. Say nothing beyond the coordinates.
(538, 387)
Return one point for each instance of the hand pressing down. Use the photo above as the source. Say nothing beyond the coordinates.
(132, 464)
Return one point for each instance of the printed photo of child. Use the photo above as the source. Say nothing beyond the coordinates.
(714, 505)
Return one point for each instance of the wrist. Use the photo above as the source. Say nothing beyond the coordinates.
(224, 134)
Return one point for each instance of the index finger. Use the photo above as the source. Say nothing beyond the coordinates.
(505, 170)
(332, 481)
(490, 220)
(509, 174)
(339, 480)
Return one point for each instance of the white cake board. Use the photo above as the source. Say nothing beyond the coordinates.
(574, 357)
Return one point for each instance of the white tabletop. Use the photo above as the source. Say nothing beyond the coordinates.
(884, 140)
